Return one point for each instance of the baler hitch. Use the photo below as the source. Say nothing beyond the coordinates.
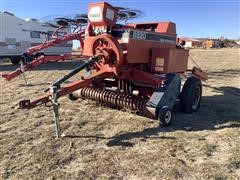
(55, 91)
(55, 87)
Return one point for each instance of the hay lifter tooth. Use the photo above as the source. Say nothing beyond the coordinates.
(133, 66)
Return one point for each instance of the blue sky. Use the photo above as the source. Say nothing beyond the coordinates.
(201, 18)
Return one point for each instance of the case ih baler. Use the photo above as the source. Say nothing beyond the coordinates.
(135, 66)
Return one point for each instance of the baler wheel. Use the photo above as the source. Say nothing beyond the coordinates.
(191, 95)
(165, 116)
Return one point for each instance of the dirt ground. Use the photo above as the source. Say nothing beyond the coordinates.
(103, 143)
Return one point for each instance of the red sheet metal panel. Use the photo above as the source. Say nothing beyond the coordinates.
(141, 42)
(168, 60)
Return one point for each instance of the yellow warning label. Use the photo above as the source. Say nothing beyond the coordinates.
(159, 61)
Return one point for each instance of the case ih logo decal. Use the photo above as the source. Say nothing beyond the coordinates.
(95, 14)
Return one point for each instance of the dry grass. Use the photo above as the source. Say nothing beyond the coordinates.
(107, 144)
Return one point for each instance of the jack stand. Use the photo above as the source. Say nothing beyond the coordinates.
(54, 91)
(23, 73)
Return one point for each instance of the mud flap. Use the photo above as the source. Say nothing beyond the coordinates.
(165, 96)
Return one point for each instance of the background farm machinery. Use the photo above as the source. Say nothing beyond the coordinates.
(33, 57)
(134, 66)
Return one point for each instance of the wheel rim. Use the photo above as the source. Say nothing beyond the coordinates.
(168, 116)
(196, 98)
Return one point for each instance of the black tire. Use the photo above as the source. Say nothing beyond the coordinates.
(164, 116)
(191, 95)
(15, 60)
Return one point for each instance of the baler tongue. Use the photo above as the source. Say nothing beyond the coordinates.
(27, 104)
(55, 91)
